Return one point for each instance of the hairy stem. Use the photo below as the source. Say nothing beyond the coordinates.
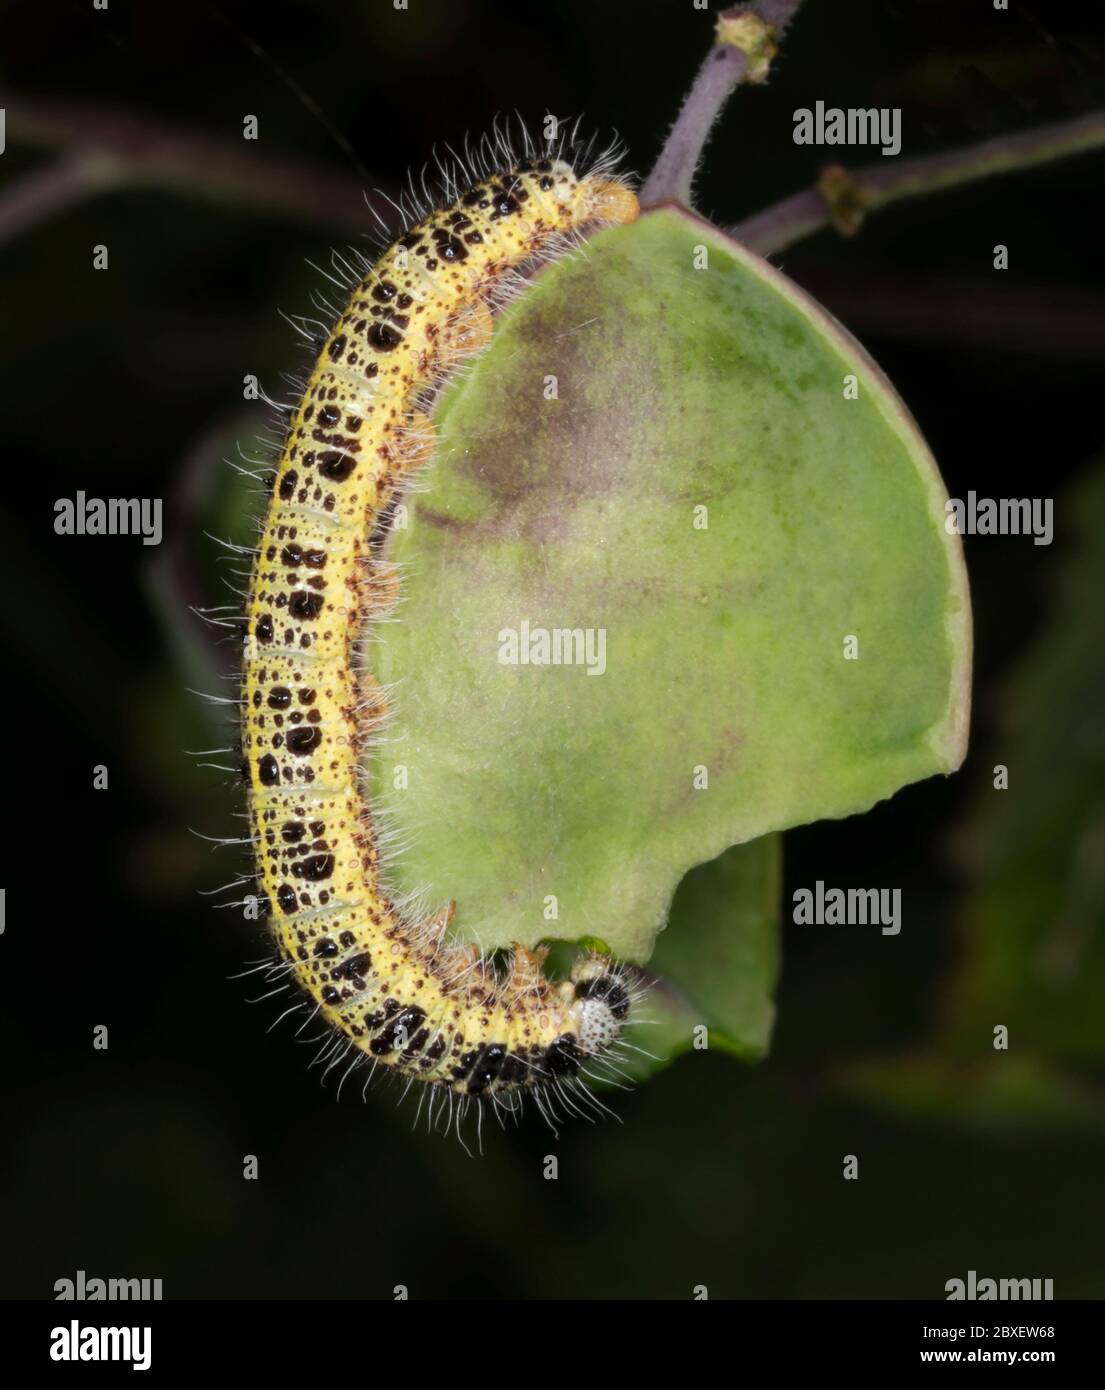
(743, 52)
(843, 197)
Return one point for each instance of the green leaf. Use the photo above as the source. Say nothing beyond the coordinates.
(627, 387)
(1035, 919)
(1002, 1091)
(716, 962)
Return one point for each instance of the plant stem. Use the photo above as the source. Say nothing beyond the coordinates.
(1041, 319)
(843, 197)
(146, 152)
(743, 52)
(40, 194)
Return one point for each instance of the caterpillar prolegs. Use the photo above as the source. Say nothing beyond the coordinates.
(394, 990)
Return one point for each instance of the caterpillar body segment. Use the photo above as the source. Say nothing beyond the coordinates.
(393, 988)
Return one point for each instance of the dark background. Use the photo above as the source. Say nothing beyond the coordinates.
(129, 1162)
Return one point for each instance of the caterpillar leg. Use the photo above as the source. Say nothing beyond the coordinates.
(469, 330)
(526, 974)
(416, 443)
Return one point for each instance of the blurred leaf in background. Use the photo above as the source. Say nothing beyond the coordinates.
(717, 961)
(1033, 920)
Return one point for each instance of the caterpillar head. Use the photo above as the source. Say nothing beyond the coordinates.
(597, 197)
(581, 197)
(608, 200)
(602, 1001)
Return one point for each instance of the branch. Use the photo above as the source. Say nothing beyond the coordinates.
(1037, 319)
(844, 197)
(37, 196)
(174, 584)
(130, 149)
(744, 51)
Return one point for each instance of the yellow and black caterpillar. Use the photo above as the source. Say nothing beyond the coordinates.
(394, 990)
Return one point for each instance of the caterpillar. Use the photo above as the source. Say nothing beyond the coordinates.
(392, 989)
